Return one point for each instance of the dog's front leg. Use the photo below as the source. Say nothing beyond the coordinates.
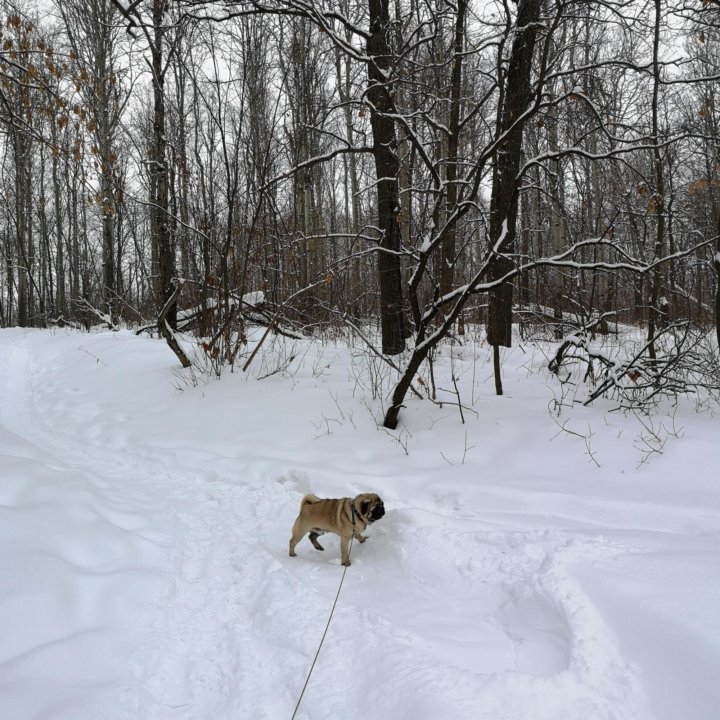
(345, 550)
(360, 537)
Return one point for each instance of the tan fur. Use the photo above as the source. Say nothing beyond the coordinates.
(318, 516)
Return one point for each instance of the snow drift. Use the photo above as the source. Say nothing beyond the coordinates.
(519, 573)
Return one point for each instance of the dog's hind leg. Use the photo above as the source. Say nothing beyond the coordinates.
(314, 540)
(297, 535)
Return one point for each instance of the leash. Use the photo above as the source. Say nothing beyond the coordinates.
(327, 626)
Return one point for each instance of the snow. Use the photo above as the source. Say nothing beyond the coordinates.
(426, 244)
(145, 516)
(257, 297)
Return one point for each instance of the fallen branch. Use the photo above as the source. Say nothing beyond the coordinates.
(251, 312)
(272, 325)
(686, 362)
(83, 304)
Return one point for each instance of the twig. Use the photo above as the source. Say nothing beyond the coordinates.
(273, 322)
(375, 351)
(457, 392)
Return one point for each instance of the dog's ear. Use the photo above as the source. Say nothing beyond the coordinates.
(364, 507)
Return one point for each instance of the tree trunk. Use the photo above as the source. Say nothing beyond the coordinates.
(447, 268)
(351, 198)
(657, 200)
(60, 297)
(504, 199)
(556, 223)
(160, 227)
(22, 185)
(387, 166)
(717, 278)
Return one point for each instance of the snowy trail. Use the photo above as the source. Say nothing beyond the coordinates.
(206, 570)
(181, 505)
(68, 600)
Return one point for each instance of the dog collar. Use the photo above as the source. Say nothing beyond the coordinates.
(353, 511)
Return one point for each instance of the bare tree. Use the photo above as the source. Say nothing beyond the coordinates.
(152, 20)
(387, 167)
(516, 94)
(92, 32)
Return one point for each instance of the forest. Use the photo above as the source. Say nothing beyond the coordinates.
(398, 169)
(458, 256)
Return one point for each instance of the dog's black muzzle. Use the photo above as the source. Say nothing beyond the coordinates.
(377, 512)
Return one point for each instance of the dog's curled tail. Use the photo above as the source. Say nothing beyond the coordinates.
(310, 500)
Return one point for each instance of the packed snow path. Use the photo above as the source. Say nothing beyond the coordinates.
(143, 551)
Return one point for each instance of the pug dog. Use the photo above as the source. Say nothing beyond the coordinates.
(346, 517)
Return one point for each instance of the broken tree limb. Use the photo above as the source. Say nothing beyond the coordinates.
(166, 331)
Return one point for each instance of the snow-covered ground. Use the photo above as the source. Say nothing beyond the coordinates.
(520, 573)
